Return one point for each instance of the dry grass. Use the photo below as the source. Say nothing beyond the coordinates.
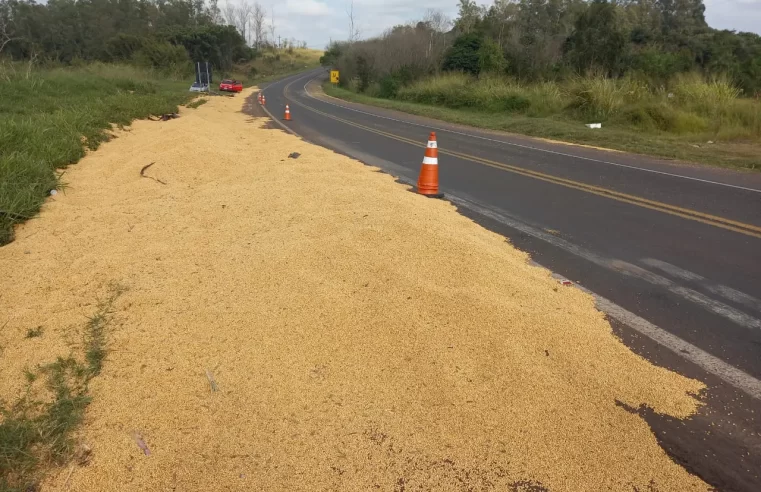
(358, 335)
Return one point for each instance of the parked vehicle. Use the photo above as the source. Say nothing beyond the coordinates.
(229, 85)
(199, 87)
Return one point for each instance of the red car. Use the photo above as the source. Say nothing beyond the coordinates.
(230, 85)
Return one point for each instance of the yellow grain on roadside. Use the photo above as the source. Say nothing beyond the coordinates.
(359, 335)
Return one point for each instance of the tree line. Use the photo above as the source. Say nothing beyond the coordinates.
(554, 39)
(159, 33)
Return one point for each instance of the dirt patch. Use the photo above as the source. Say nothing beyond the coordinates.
(359, 336)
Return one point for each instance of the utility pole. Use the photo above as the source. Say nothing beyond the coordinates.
(279, 44)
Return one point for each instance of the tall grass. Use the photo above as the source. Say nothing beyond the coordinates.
(494, 94)
(49, 118)
(690, 105)
(711, 95)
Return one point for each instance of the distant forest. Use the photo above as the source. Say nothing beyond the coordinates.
(159, 33)
(556, 39)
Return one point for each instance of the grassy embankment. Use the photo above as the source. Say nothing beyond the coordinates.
(50, 118)
(692, 119)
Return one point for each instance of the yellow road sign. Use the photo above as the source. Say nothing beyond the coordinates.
(334, 76)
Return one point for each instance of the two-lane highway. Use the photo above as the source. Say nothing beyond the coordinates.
(672, 252)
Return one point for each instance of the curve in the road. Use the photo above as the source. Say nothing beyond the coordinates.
(689, 284)
(732, 225)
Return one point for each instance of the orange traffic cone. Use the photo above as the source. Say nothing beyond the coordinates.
(264, 100)
(287, 113)
(428, 182)
(260, 98)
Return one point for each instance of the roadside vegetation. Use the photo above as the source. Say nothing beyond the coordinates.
(37, 429)
(50, 118)
(273, 64)
(699, 121)
(61, 90)
(659, 80)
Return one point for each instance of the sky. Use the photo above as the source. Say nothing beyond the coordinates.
(319, 21)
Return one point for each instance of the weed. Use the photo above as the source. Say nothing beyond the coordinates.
(197, 103)
(711, 96)
(34, 332)
(30, 375)
(37, 430)
(598, 97)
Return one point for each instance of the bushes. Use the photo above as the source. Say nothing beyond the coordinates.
(457, 90)
(390, 84)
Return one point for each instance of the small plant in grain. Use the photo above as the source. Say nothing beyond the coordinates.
(35, 332)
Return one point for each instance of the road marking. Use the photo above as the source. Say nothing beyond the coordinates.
(736, 296)
(724, 223)
(711, 364)
(719, 289)
(716, 307)
(529, 147)
(673, 270)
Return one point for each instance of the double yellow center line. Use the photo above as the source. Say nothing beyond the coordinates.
(731, 225)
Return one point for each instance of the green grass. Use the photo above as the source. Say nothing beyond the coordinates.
(36, 431)
(197, 103)
(674, 123)
(50, 118)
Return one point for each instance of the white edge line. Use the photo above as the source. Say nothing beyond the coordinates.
(529, 147)
(709, 363)
(730, 374)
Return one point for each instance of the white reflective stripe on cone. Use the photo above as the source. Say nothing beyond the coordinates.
(432, 144)
(430, 160)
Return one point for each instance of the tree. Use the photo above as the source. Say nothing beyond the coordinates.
(598, 41)
(257, 19)
(499, 18)
(230, 13)
(354, 32)
(5, 26)
(681, 17)
(213, 12)
(534, 47)
(490, 58)
(272, 27)
(469, 16)
(464, 55)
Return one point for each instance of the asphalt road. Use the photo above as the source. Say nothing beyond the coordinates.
(672, 251)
